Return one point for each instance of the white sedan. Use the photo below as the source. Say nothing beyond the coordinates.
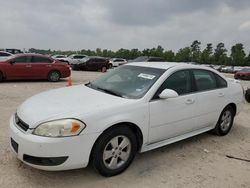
(136, 107)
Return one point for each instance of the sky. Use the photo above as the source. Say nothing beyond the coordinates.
(115, 24)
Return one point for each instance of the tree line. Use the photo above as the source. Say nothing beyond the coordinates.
(217, 55)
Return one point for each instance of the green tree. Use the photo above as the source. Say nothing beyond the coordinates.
(220, 54)
(207, 54)
(184, 55)
(238, 54)
(195, 51)
(169, 56)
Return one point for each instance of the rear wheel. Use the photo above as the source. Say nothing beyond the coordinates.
(104, 69)
(54, 76)
(247, 95)
(114, 151)
(225, 121)
(110, 66)
(1, 76)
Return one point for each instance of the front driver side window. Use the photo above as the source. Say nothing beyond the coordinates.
(179, 81)
(22, 59)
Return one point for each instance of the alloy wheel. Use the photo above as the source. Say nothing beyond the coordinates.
(116, 152)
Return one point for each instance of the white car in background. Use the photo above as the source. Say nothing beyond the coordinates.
(134, 108)
(62, 58)
(75, 58)
(4, 55)
(115, 62)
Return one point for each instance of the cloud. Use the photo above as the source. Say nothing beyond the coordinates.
(114, 24)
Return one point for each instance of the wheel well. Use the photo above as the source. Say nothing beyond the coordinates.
(233, 106)
(135, 129)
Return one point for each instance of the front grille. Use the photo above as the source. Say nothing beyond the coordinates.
(21, 124)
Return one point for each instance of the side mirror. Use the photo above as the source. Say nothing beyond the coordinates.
(168, 93)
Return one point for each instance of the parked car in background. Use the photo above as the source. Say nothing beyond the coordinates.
(33, 66)
(13, 50)
(227, 69)
(62, 58)
(135, 107)
(237, 69)
(74, 59)
(115, 62)
(147, 59)
(92, 63)
(243, 74)
(4, 55)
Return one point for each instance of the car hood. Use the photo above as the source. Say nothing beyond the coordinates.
(69, 102)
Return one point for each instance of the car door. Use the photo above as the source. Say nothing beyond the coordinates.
(18, 67)
(211, 96)
(174, 116)
(41, 66)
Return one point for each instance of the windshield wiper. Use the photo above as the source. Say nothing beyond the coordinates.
(109, 92)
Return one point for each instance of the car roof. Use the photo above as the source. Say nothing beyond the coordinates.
(168, 65)
(159, 65)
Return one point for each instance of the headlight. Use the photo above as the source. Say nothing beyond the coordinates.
(60, 128)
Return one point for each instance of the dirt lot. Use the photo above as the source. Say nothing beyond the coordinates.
(196, 162)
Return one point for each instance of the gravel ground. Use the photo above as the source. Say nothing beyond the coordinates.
(199, 161)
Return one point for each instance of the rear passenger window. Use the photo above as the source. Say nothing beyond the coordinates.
(221, 83)
(205, 80)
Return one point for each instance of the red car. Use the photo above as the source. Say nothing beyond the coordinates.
(243, 74)
(33, 66)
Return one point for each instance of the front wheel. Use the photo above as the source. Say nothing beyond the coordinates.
(54, 76)
(225, 121)
(114, 151)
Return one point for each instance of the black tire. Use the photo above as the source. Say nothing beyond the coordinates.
(1, 76)
(223, 126)
(54, 76)
(247, 95)
(102, 144)
(104, 69)
(110, 66)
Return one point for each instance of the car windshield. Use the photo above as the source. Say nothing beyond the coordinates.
(140, 59)
(85, 59)
(127, 81)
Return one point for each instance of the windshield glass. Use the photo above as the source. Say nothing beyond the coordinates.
(127, 81)
(140, 59)
(85, 59)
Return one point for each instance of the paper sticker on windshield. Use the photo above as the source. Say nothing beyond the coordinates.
(146, 76)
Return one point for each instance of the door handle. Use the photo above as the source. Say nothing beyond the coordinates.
(48, 65)
(221, 95)
(190, 101)
(28, 66)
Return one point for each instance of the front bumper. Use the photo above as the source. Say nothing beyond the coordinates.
(61, 153)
